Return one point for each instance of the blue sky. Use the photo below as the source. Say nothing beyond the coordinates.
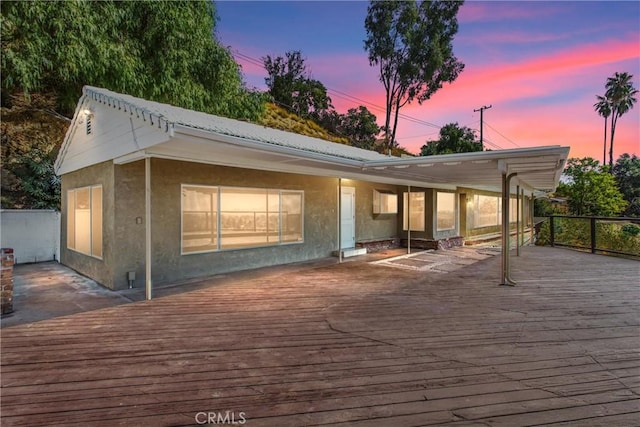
(539, 64)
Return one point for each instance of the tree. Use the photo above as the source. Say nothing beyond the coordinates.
(603, 108)
(360, 127)
(291, 86)
(411, 43)
(590, 189)
(621, 94)
(627, 174)
(162, 51)
(453, 139)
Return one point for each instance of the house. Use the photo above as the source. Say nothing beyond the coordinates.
(153, 193)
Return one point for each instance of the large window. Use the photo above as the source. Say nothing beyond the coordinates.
(445, 211)
(413, 211)
(487, 211)
(218, 218)
(84, 220)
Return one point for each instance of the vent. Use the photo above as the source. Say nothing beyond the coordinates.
(88, 125)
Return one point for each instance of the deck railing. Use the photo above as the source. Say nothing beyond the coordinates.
(612, 235)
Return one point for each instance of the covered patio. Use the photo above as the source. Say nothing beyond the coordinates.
(357, 344)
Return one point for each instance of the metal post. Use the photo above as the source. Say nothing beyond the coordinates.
(517, 220)
(531, 212)
(339, 220)
(552, 233)
(593, 235)
(409, 220)
(147, 208)
(506, 272)
(523, 221)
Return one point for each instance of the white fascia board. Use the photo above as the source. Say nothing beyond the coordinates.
(477, 156)
(326, 165)
(68, 137)
(130, 158)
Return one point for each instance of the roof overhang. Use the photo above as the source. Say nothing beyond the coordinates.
(537, 168)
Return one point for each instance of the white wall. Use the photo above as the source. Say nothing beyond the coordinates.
(34, 235)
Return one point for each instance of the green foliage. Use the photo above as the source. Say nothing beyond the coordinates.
(576, 232)
(631, 229)
(30, 135)
(411, 44)
(603, 108)
(627, 174)
(359, 126)
(453, 139)
(278, 118)
(291, 86)
(544, 207)
(158, 50)
(162, 51)
(621, 96)
(590, 190)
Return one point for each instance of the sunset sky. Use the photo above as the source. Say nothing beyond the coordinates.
(539, 64)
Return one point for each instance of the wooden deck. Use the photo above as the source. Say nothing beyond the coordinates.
(355, 344)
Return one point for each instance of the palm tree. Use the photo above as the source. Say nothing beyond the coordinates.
(603, 108)
(621, 93)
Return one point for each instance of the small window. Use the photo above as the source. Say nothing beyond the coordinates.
(413, 211)
(445, 211)
(84, 220)
(385, 202)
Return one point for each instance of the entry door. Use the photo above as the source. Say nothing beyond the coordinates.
(348, 217)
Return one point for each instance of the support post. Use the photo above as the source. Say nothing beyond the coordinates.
(531, 218)
(409, 220)
(593, 235)
(506, 269)
(339, 220)
(518, 220)
(147, 215)
(523, 215)
(552, 232)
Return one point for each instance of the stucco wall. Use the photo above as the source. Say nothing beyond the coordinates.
(129, 224)
(124, 220)
(370, 226)
(34, 235)
(100, 270)
(320, 221)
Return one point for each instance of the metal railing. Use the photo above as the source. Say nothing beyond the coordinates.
(612, 235)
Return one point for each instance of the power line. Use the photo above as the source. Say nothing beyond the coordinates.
(498, 132)
(346, 96)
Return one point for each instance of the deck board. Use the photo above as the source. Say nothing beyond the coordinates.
(357, 344)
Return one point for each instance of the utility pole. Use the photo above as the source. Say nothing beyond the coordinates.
(481, 109)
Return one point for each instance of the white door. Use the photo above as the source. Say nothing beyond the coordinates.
(348, 217)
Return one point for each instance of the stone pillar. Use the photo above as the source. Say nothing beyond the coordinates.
(6, 281)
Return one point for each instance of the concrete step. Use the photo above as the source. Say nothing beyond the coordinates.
(349, 252)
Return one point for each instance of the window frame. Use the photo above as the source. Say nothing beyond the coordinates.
(437, 210)
(95, 211)
(406, 199)
(219, 211)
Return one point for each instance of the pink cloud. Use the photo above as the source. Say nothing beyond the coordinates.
(576, 74)
(491, 12)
